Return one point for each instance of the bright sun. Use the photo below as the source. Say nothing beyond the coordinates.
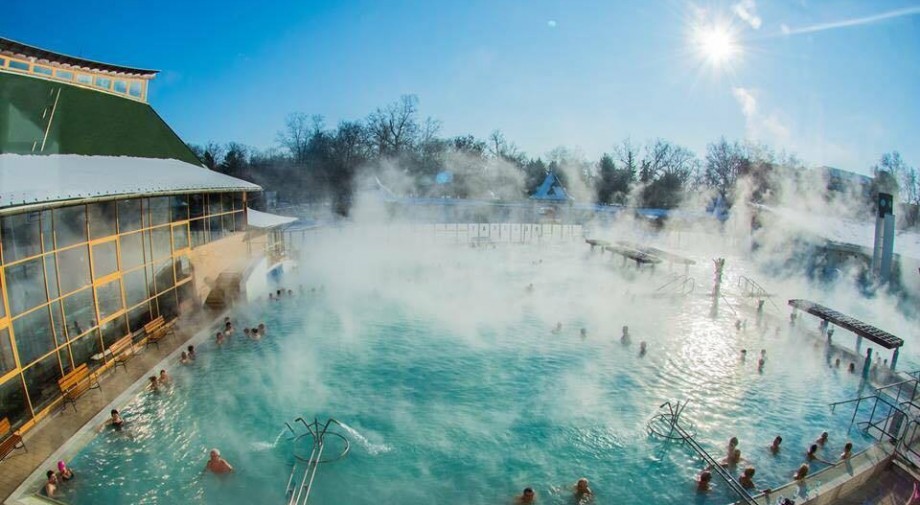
(716, 44)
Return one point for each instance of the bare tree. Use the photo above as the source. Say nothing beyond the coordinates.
(725, 162)
(394, 128)
(296, 135)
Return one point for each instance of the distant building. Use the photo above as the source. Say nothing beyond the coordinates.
(551, 191)
(842, 181)
(107, 220)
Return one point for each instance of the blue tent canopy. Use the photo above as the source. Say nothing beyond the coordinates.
(551, 190)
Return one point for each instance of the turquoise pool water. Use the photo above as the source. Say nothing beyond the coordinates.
(454, 389)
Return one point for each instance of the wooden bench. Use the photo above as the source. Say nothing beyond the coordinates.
(77, 382)
(122, 350)
(157, 330)
(11, 442)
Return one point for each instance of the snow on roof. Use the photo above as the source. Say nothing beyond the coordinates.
(29, 180)
(258, 219)
(847, 231)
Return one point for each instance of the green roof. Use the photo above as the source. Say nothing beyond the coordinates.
(85, 122)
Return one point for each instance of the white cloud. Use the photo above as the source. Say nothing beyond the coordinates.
(551, 23)
(747, 11)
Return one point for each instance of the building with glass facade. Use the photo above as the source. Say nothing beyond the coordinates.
(107, 220)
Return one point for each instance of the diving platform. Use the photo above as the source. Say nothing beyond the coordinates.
(636, 255)
(658, 253)
(860, 328)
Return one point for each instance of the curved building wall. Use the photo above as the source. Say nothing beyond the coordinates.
(76, 279)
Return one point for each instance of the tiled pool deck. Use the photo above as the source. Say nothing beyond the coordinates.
(55, 430)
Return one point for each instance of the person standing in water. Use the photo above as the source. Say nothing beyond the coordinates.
(217, 464)
(528, 496)
(583, 493)
(624, 338)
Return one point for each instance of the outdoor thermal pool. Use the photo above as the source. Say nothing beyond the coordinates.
(455, 389)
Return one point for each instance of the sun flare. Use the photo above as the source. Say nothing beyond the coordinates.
(716, 44)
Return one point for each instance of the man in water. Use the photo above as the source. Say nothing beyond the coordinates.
(774, 447)
(528, 496)
(52, 484)
(164, 379)
(218, 464)
(582, 491)
(624, 338)
(702, 483)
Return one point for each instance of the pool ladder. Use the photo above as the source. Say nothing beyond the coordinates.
(303, 472)
(667, 424)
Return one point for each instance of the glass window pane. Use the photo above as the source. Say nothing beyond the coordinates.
(2, 62)
(237, 201)
(102, 82)
(47, 231)
(215, 232)
(51, 275)
(135, 89)
(159, 210)
(113, 330)
(25, 285)
(101, 219)
(167, 304)
(129, 215)
(105, 259)
(196, 206)
(197, 230)
(38, 69)
(21, 236)
(84, 348)
(64, 74)
(160, 240)
(73, 269)
(164, 276)
(138, 317)
(178, 210)
(227, 223)
(226, 202)
(186, 295)
(7, 362)
(109, 298)
(79, 312)
(64, 356)
(69, 225)
(19, 65)
(33, 335)
(41, 381)
(84, 79)
(213, 203)
(132, 250)
(13, 404)
(180, 237)
(136, 286)
(121, 86)
(183, 268)
(57, 321)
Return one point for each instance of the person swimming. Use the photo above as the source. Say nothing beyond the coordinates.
(703, 481)
(642, 348)
(774, 447)
(847, 451)
(183, 358)
(218, 464)
(582, 491)
(557, 329)
(164, 378)
(625, 338)
(732, 459)
(747, 478)
(743, 355)
(220, 338)
(852, 367)
(812, 455)
(116, 421)
(822, 440)
(760, 364)
(527, 496)
(51, 484)
(63, 472)
(732, 445)
(584, 333)
(262, 329)
(801, 473)
(153, 385)
(191, 353)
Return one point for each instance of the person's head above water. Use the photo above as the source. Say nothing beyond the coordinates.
(582, 485)
(528, 495)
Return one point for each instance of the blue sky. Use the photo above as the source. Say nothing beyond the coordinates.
(825, 80)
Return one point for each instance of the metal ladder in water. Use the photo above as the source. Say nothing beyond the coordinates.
(671, 421)
(298, 490)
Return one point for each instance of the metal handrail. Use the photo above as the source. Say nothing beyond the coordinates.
(673, 419)
(301, 494)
